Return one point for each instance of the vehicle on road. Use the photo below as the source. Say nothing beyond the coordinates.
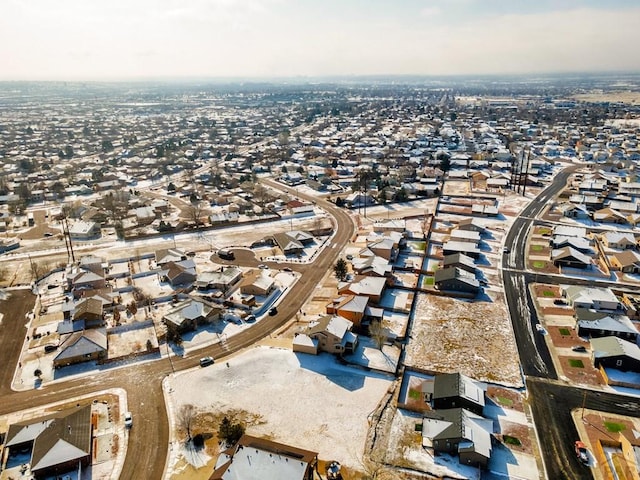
(581, 452)
(273, 311)
(128, 420)
(579, 348)
(226, 254)
(506, 250)
(206, 361)
(262, 266)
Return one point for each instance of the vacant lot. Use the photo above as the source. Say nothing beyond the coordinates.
(474, 338)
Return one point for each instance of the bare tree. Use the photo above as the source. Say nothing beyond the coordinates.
(377, 333)
(186, 416)
(194, 211)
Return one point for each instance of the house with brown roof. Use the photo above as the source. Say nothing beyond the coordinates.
(190, 314)
(58, 443)
(627, 261)
(354, 308)
(90, 311)
(257, 282)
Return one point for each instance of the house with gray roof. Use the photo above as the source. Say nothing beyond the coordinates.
(82, 346)
(614, 352)
(455, 390)
(455, 279)
(594, 324)
(595, 298)
(457, 431)
(461, 261)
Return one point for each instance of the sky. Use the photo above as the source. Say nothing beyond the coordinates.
(155, 39)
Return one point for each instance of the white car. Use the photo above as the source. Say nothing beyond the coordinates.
(128, 420)
(541, 329)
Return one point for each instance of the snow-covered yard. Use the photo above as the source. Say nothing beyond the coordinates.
(311, 402)
(474, 338)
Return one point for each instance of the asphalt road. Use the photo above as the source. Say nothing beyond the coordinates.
(551, 401)
(535, 358)
(148, 440)
(551, 405)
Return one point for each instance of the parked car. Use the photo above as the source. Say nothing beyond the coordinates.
(581, 452)
(128, 420)
(273, 311)
(250, 319)
(506, 250)
(287, 269)
(50, 348)
(559, 301)
(541, 329)
(206, 361)
(579, 348)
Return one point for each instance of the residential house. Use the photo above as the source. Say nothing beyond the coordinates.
(571, 210)
(618, 240)
(84, 230)
(354, 308)
(257, 282)
(57, 444)
(456, 280)
(568, 231)
(331, 334)
(614, 352)
(580, 244)
(223, 279)
(469, 249)
(570, 257)
(82, 346)
(472, 224)
(384, 247)
(609, 215)
(371, 265)
(89, 310)
(179, 273)
(461, 261)
(190, 314)
(594, 324)
(166, 255)
(372, 287)
(627, 261)
(455, 390)
(80, 280)
(253, 457)
(457, 431)
(288, 244)
(595, 298)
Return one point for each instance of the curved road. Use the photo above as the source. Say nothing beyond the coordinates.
(551, 401)
(149, 438)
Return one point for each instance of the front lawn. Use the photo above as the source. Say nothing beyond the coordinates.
(614, 427)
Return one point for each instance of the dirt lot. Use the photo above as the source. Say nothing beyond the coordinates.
(474, 338)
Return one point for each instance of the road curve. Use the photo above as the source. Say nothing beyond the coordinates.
(148, 440)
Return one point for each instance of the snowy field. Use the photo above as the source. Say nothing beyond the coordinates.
(310, 402)
(474, 338)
